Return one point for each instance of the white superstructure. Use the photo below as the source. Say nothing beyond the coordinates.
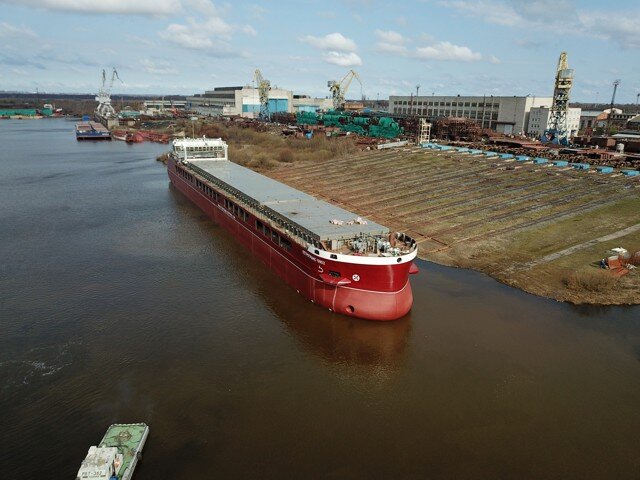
(100, 464)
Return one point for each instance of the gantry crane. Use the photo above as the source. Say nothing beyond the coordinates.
(104, 108)
(339, 89)
(263, 87)
(557, 131)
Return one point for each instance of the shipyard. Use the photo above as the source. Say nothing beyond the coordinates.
(323, 240)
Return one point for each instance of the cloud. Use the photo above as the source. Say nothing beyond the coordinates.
(335, 42)
(210, 36)
(544, 10)
(622, 30)
(8, 30)
(205, 7)
(256, 11)
(161, 68)
(490, 11)
(249, 30)
(390, 42)
(447, 51)
(342, 59)
(19, 60)
(125, 7)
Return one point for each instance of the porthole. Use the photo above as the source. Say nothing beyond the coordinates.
(350, 309)
(399, 260)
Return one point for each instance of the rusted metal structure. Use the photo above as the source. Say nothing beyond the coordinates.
(456, 129)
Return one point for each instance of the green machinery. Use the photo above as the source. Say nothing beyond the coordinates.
(377, 127)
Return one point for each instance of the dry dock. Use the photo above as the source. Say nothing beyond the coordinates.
(528, 225)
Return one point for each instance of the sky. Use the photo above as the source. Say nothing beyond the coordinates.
(465, 47)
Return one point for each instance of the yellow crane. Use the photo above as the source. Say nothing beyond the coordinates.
(263, 87)
(339, 89)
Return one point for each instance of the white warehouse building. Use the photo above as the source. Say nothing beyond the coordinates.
(241, 101)
(509, 115)
(539, 121)
(245, 102)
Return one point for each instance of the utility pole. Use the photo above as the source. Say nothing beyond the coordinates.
(613, 99)
(637, 99)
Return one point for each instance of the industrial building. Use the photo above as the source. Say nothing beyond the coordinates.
(507, 115)
(240, 101)
(305, 103)
(539, 121)
(588, 119)
(160, 107)
(245, 102)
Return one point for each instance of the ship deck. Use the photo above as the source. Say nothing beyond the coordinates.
(127, 438)
(299, 208)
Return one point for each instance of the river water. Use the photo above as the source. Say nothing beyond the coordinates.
(121, 302)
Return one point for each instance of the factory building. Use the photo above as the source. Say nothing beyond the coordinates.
(507, 115)
(588, 119)
(160, 107)
(241, 101)
(304, 103)
(539, 121)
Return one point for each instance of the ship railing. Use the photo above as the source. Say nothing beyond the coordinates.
(298, 233)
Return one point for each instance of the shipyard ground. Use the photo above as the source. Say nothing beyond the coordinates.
(539, 228)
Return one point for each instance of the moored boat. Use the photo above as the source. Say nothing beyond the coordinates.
(334, 258)
(88, 130)
(117, 454)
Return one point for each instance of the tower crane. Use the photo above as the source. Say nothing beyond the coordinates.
(339, 89)
(263, 87)
(557, 131)
(104, 108)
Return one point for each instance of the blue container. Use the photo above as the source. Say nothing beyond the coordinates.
(504, 156)
(631, 173)
(560, 163)
(604, 169)
(462, 149)
(475, 152)
(522, 158)
(540, 160)
(580, 166)
(490, 154)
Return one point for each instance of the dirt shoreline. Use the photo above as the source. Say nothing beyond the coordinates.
(483, 216)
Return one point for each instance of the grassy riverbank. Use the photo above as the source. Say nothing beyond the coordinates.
(539, 228)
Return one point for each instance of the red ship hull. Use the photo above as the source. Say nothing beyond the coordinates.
(383, 292)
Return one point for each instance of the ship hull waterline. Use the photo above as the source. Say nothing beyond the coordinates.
(343, 299)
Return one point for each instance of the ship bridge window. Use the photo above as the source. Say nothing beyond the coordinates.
(334, 256)
(274, 237)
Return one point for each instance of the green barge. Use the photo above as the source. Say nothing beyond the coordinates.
(117, 454)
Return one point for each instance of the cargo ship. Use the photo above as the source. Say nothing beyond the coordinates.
(117, 454)
(332, 257)
(91, 131)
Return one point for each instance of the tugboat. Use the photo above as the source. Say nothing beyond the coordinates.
(117, 454)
